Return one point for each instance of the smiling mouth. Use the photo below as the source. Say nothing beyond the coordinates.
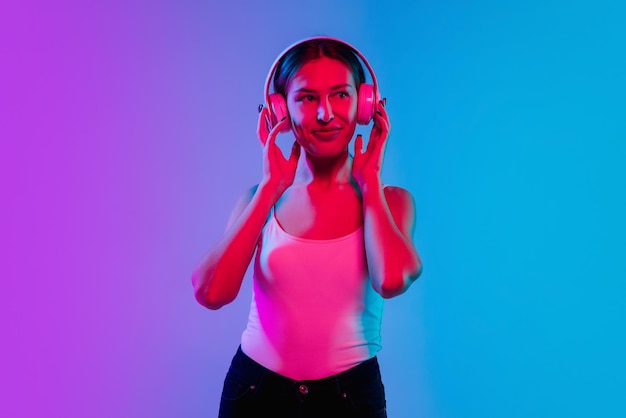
(327, 131)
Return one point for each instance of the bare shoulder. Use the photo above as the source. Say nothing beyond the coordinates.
(399, 198)
(402, 206)
(241, 204)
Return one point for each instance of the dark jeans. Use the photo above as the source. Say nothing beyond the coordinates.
(251, 390)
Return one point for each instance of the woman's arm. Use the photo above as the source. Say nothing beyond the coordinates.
(217, 280)
(389, 219)
(388, 216)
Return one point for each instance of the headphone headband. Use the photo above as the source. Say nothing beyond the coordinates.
(268, 81)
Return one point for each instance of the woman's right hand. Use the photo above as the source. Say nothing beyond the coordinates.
(278, 171)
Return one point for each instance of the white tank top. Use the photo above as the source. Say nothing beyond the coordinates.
(314, 312)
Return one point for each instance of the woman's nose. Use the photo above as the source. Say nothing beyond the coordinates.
(325, 111)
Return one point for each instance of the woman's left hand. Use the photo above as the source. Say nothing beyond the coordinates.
(367, 165)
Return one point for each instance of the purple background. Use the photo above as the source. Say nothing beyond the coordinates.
(128, 132)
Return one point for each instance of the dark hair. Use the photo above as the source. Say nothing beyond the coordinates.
(313, 49)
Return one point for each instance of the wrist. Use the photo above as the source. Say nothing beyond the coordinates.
(370, 184)
(271, 190)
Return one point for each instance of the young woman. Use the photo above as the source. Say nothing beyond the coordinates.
(330, 242)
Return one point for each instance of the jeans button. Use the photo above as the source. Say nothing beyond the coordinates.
(303, 389)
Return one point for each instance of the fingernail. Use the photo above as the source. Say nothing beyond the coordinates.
(260, 108)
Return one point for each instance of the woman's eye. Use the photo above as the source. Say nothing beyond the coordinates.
(343, 94)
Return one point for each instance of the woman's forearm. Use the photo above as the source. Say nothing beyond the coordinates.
(218, 278)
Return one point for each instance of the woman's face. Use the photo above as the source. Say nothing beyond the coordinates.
(322, 104)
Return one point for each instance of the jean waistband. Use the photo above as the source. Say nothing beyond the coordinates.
(363, 370)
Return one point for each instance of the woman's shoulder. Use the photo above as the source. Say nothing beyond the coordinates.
(240, 205)
(247, 195)
(402, 206)
(397, 195)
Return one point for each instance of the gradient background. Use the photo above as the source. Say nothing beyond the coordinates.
(128, 132)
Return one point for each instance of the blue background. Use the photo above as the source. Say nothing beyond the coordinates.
(128, 132)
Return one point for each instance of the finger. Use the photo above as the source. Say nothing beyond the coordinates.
(276, 130)
(381, 110)
(379, 134)
(381, 119)
(295, 152)
(378, 138)
(268, 120)
(262, 127)
(358, 145)
(382, 125)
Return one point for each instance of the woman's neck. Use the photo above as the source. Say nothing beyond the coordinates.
(325, 172)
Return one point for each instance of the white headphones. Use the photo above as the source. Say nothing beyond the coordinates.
(368, 94)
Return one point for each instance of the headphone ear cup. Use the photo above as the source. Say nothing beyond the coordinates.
(366, 105)
(278, 109)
